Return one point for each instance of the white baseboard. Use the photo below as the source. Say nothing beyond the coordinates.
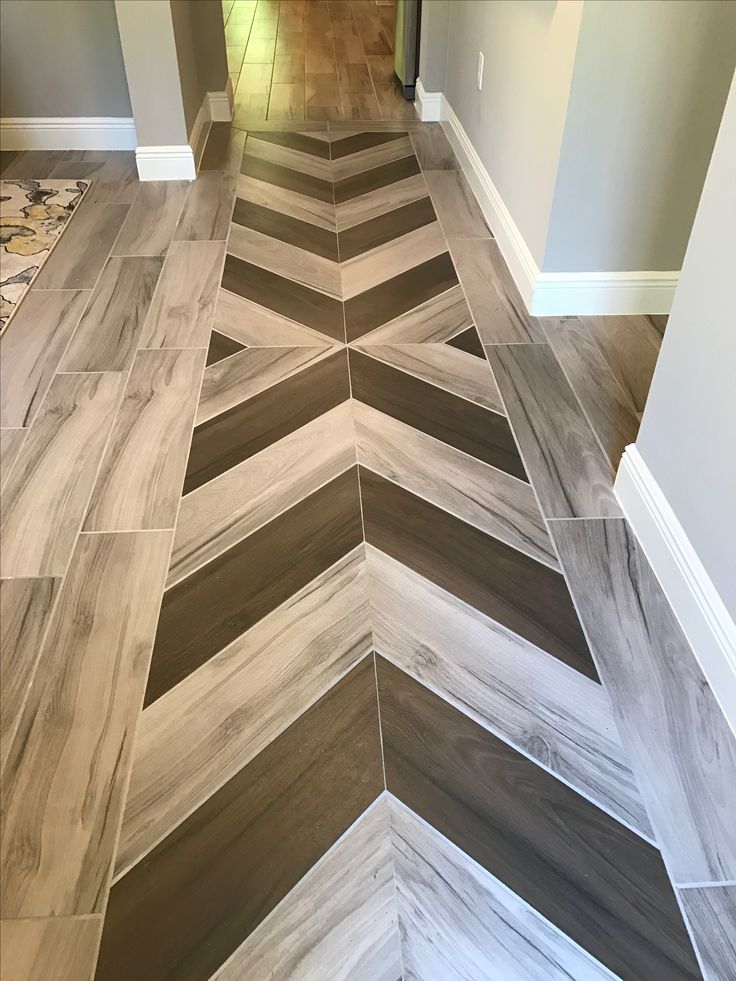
(67, 133)
(165, 163)
(428, 104)
(702, 614)
(221, 104)
(552, 294)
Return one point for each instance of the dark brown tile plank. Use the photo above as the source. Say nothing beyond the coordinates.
(362, 141)
(296, 141)
(600, 883)
(507, 585)
(221, 347)
(293, 180)
(469, 342)
(233, 436)
(189, 904)
(302, 234)
(383, 303)
(371, 180)
(300, 303)
(385, 228)
(479, 432)
(217, 603)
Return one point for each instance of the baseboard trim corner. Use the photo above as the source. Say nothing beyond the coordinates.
(67, 133)
(702, 614)
(221, 104)
(428, 104)
(165, 163)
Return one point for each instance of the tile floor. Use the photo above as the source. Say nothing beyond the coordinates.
(330, 654)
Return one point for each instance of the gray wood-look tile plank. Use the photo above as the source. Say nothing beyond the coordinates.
(375, 156)
(566, 465)
(83, 249)
(436, 320)
(183, 305)
(207, 208)
(711, 911)
(433, 149)
(555, 715)
(340, 921)
(110, 328)
(25, 609)
(139, 483)
(391, 259)
(256, 326)
(151, 221)
(459, 923)
(490, 499)
(11, 441)
(210, 725)
(630, 345)
(113, 174)
(224, 149)
(59, 948)
(67, 766)
(285, 260)
(375, 203)
(610, 411)
(31, 348)
(681, 747)
(498, 309)
(455, 204)
(48, 489)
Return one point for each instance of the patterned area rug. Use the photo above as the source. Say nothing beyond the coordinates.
(33, 214)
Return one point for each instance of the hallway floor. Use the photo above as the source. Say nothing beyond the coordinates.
(327, 652)
(312, 59)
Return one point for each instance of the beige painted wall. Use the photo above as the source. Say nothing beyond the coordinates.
(433, 44)
(516, 122)
(61, 58)
(199, 35)
(688, 431)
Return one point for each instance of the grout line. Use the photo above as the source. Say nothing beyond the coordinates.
(705, 885)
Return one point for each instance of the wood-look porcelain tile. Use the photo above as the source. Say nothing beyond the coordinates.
(597, 881)
(352, 164)
(183, 910)
(286, 177)
(362, 106)
(195, 737)
(566, 464)
(305, 142)
(377, 177)
(67, 767)
(711, 912)
(382, 201)
(339, 921)
(256, 326)
(433, 149)
(223, 149)
(58, 948)
(296, 158)
(345, 144)
(498, 309)
(677, 737)
(31, 349)
(287, 261)
(83, 249)
(554, 715)
(296, 232)
(468, 341)
(149, 227)
(113, 174)
(455, 204)
(208, 205)
(458, 921)
(372, 269)
(630, 345)
(378, 231)
(11, 441)
(46, 494)
(286, 201)
(437, 319)
(110, 329)
(220, 347)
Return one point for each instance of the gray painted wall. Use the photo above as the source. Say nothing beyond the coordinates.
(648, 91)
(433, 44)
(192, 90)
(199, 34)
(688, 432)
(516, 122)
(61, 58)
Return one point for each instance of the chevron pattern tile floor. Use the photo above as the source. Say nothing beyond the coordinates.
(375, 741)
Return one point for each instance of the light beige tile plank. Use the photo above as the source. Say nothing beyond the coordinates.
(630, 345)
(31, 349)
(222, 512)
(152, 219)
(490, 499)
(256, 326)
(372, 268)
(552, 713)
(48, 489)
(340, 128)
(319, 52)
(25, 609)
(435, 320)
(433, 149)
(455, 204)
(288, 67)
(284, 156)
(498, 309)
(286, 260)
(678, 740)
(142, 472)
(712, 915)
(567, 467)
(11, 441)
(83, 249)
(323, 90)
(376, 156)
(340, 921)
(183, 305)
(67, 767)
(286, 101)
(113, 173)
(288, 202)
(54, 949)
(110, 328)
(381, 201)
(250, 110)
(207, 208)
(459, 922)
(610, 412)
(260, 50)
(362, 106)
(210, 725)
(444, 366)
